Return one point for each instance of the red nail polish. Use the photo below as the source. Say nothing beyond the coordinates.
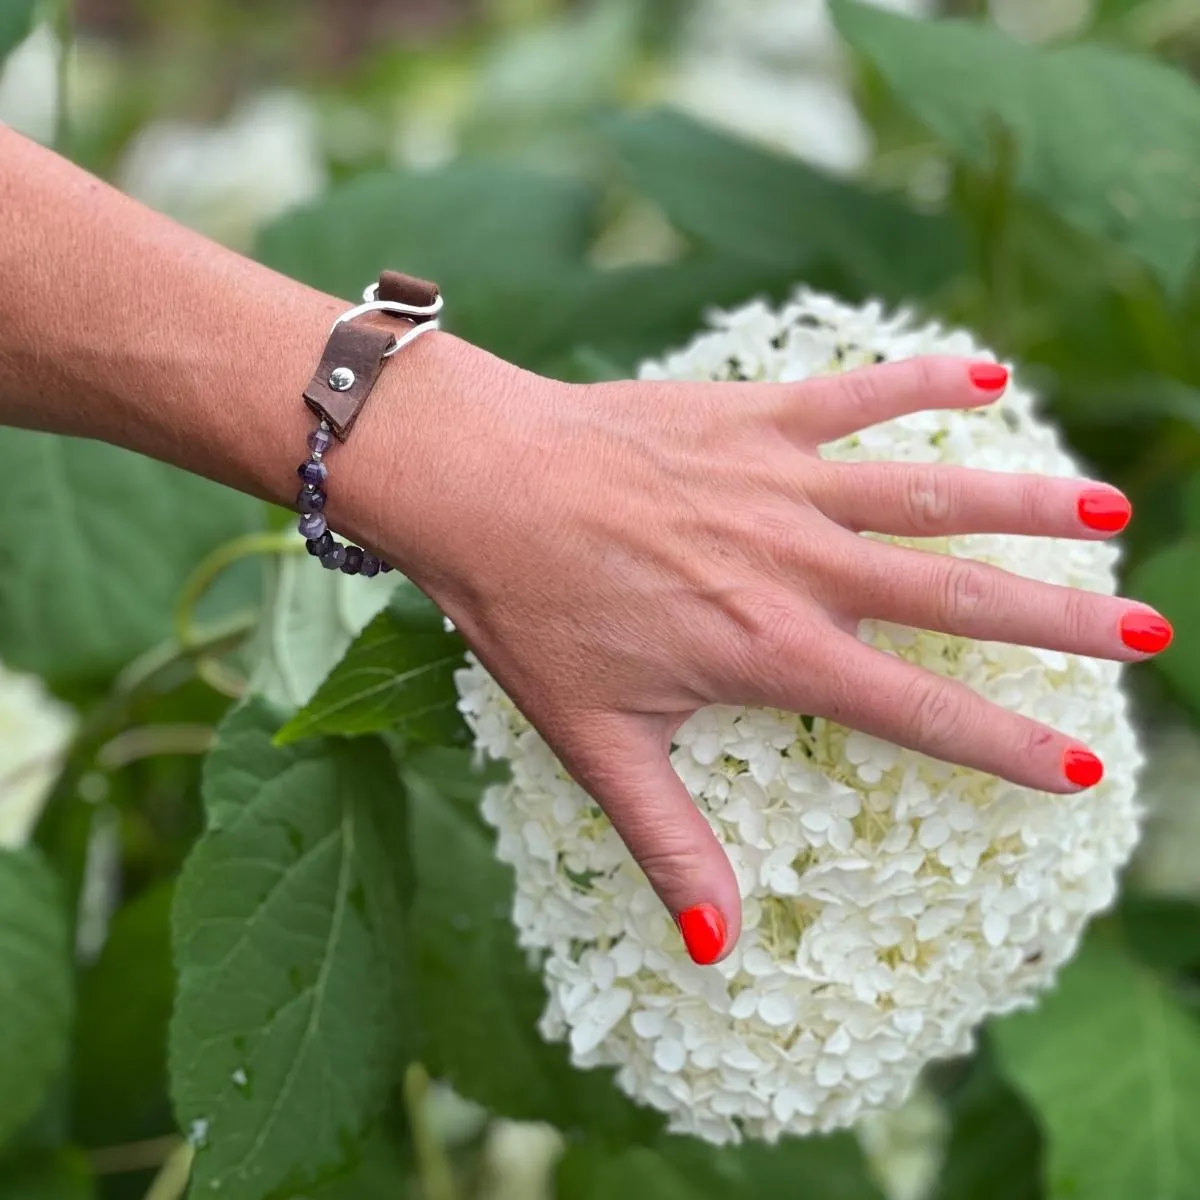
(1146, 631)
(1104, 509)
(703, 930)
(1082, 767)
(988, 377)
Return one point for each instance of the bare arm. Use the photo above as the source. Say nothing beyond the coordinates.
(619, 555)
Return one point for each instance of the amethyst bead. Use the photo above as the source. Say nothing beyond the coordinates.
(311, 500)
(370, 565)
(320, 440)
(318, 546)
(354, 560)
(312, 472)
(312, 525)
(333, 558)
(384, 567)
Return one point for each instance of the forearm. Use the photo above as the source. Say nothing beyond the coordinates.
(118, 324)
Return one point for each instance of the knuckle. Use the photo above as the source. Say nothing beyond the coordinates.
(929, 499)
(966, 587)
(859, 391)
(1078, 615)
(674, 865)
(1036, 501)
(939, 713)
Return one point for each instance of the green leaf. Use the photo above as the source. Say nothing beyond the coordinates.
(35, 986)
(749, 203)
(398, 675)
(479, 1001)
(1111, 1065)
(61, 1175)
(126, 531)
(1164, 931)
(120, 1061)
(16, 20)
(309, 621)
(292, 1016)
(494, 237)
(995, 1149)
(830, 1168)
(382, 1174)
(1105, 139)
(1170, 582)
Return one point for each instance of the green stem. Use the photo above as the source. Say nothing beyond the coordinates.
(64, 24)
(437, 1179)
(172, 1181)
(221, 559)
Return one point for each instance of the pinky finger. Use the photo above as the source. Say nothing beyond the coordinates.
(891, 699)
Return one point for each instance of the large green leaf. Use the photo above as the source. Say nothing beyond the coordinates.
(35, 986)
(478, 999)
(104, 543)
(830, 1168)
(310, 618)
(46, 1175)
(1170, 581)
(120, 1062)
(1111, 1065)
(1106, 139)
(381, 1174)
(495, 238)
(398, 675)
(16, 16)
(749, 203)
(292, 1014)
(995, 1148)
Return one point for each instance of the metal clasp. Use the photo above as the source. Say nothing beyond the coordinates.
(371, 303)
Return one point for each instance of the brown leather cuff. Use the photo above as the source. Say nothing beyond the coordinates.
(356, 351)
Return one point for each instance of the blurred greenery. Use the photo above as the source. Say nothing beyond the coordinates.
(534, 157)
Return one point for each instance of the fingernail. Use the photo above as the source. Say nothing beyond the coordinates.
(988, 377)
(1105, 509)
(1146, 631)
(703, 930)
(1082, 767)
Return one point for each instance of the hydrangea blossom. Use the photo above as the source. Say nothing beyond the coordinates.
(891, 902)
(34, 731)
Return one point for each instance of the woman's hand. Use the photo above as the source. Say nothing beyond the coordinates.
(623, 554)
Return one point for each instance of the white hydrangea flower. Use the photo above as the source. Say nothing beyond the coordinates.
(34, 732)
(774, 71)
(227, 180)
(891, 902)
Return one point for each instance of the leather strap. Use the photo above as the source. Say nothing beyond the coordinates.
(355, 354)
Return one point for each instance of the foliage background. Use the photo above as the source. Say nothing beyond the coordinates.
(1043, 190)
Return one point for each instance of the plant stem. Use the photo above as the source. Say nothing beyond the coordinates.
(172, 1181)
(205, 575)
(153, 741)
(433, 1168)
(64, 23)
(133, 1156)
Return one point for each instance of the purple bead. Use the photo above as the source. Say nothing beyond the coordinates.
(333, 558)
(320, 440)
(312, 472)
(354, 560)
(318, 546)
(370, 565)
(384, 567)
(312, 525)
(310, 500)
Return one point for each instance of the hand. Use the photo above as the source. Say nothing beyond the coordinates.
(622, 555)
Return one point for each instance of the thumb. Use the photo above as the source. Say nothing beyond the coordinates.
(635, 784)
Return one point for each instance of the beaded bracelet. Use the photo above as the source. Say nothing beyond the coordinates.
(354, 357)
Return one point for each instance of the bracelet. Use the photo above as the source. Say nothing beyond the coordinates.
(353, 359)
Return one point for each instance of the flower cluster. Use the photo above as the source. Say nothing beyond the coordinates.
(34, 731)
(891, 902)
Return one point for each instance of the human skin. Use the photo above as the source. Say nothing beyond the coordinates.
(618, 555)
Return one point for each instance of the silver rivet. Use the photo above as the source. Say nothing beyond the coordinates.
(341, 379)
